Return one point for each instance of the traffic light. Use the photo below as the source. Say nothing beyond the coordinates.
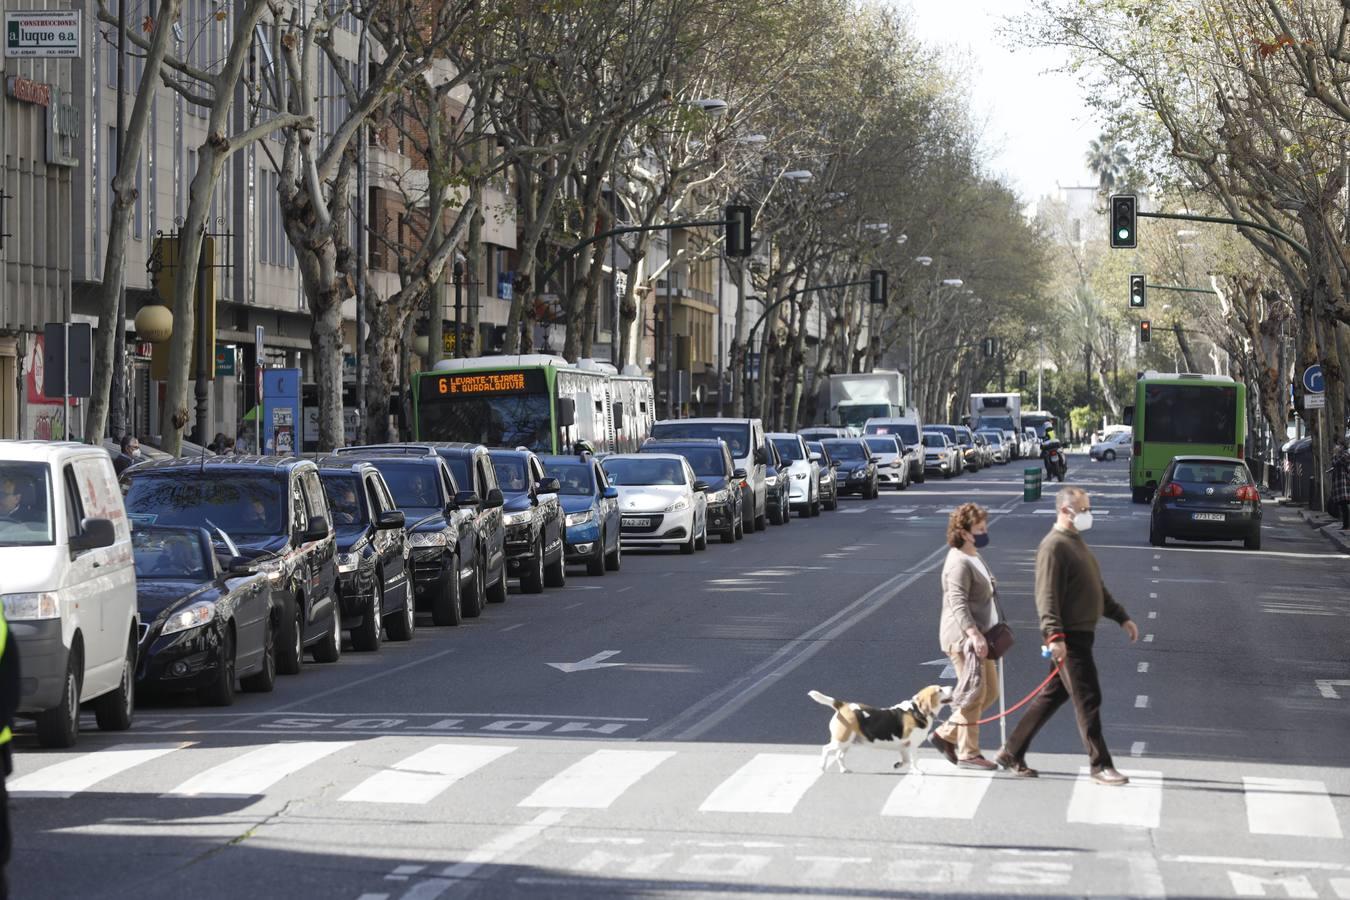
(1136, 292)
(877, 287)
(739, 224)
(990, 346)
(1124, 209)
(1145, 331)
(1022, 378)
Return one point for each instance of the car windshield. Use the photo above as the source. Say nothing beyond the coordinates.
(574, 479)
(947, 430)
(413, 486)
(703, 461)
(344, 498)
(240, 504)
(511, 474)
(628, 471)
(846, 450)
(25, 504)
(933, 440)
(817, 447)
(906, 432)
(992, 437)
(169, 554)
(964, 437)
(789, 448)
(1202, 472)
(882, 445)
(736, 434)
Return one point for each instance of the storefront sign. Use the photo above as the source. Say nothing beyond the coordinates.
(28, 91)
(225, 360)
(39, 32)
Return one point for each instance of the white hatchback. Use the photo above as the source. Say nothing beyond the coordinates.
(804, 486)
(661, 501)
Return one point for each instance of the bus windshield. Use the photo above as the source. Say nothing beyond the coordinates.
(522, 420)
(1190, 414)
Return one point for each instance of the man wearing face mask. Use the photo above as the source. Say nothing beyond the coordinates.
(1070, 598)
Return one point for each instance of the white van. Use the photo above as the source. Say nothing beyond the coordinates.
(745, 438)
(69, 585)
(909, 429)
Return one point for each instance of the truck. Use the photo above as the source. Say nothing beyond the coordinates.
(850, 400)
(1001, 412)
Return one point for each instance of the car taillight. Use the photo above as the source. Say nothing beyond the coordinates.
(1138, 448)
(1248, 493)
(1172, 490)
(1241, 447)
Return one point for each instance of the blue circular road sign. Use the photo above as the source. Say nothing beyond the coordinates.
(1313, 382)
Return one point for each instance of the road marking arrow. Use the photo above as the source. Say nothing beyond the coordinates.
(948, 672)
(590, 662)
(1327, 687)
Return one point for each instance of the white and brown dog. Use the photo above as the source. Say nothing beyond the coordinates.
(906, 724)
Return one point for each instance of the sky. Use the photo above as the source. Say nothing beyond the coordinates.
(1036, 128)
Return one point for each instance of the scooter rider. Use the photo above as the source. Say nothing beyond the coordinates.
(1049, 447)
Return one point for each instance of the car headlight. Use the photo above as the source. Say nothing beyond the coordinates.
(194, 616)
(517, 518)
(722, 496)
(38, 605)
(682, 503)
(858, 473)
(580, 518)
(770, 480)
(348, 562)
(427, 539)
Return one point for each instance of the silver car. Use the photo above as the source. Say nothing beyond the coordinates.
(998, 445)
(1120, 444)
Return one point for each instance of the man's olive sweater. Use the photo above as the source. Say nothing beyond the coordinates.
(1070, 595)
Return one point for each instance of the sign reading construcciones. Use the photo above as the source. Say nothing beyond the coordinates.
(51, 33)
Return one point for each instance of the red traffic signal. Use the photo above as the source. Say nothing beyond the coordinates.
(1145, 331)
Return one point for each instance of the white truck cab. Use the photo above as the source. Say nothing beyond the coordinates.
(68, 585)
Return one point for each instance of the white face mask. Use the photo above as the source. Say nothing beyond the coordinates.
(1082, 520)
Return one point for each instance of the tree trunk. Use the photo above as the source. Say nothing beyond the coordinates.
(1185, 347)
(327, 337)
(594, 282)
(474, 269)
(384, 328)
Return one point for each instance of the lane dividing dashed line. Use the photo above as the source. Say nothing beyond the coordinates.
(1141, 701)
(1148, 639)
(1142, 668)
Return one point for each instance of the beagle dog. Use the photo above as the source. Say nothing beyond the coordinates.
(906, 724)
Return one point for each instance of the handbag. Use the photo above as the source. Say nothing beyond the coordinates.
(1000, 636)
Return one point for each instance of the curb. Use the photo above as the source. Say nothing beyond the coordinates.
(1329, 527)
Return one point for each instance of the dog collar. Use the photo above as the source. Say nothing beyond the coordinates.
(919, 718)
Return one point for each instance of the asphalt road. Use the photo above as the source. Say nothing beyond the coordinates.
(680, 758)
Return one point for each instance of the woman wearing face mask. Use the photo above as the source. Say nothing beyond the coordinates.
(969, 609)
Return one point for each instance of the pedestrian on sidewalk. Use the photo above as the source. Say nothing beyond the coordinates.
(1340, 482)
(969, 609)
(1071, 599)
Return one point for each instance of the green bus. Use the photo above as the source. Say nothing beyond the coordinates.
(536, 401)
(1180, 414)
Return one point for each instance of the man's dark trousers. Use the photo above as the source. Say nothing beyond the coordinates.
(1077, 681)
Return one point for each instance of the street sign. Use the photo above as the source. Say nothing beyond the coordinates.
(1313, 381)
(42, 33)
(1314, 401)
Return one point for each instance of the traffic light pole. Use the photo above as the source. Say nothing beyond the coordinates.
(1180, 290)
(1240, 223)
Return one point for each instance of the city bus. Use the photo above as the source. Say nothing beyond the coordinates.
(1174, 415)
(537, 401)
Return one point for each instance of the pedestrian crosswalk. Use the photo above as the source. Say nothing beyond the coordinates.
(703, 778)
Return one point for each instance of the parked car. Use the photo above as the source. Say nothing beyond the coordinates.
(908, 428)
(205, 626)
(974, 456)
(660, 499)
(479, 501)
(711, 461)
(803, 473)
(275, 511)
(940, 454)
(998, 446)
(949, 432)
(535, 525)
(821, 433)
(857, 470)
(1031, 443)
(1120, 443)
(1206, 498)
(591, 512)
(745, 437)
(892, 463)
(374, 583)
(69, 586)
(776, 479)
(829, 482)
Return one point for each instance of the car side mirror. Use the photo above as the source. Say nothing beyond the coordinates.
(316, 529)
(610, 492)
(740, 473)
(95, 534)
(241, 567)
(495, 499)
(466, 498)
(391, 518)
(548, 486)
(834, 464)
(816, 457)
(701, 487)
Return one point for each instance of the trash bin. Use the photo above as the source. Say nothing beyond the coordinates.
(1302, 471)
(1031, 484)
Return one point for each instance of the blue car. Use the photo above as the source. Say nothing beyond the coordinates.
(591, 507)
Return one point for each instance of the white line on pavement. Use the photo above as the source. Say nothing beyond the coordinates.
(254, 772)
(486, 853)
(1136, 805)
(514, 627)
(67, 778)
(1141, 701)
(1289, 806)
(936, 791)
(1148, 639)
(424, 776)
(1153, 595)
(768, 783)
(1137, 748)
(1153, 614)
(1291, 864)
(598, 780)
(1142, 668)
(1234, 551)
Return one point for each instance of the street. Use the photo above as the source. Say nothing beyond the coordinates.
(648, 733)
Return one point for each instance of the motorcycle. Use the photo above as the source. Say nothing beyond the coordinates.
(1055, 465)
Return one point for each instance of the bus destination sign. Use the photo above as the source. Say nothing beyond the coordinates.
(469, 384)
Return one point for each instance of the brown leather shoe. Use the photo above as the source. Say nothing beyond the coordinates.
(976, 762)
(1109, 776)
(1005, 761)
(943, 746)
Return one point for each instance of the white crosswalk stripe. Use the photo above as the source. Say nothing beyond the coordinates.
(937, 790)
(424, 776)
(768, 783)
(1289, 806)
(1136, 805)
(598, 780)
(256, 771)
(71, 776)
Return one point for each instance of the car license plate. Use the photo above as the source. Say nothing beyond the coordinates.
(636, 523)
(1209, 517)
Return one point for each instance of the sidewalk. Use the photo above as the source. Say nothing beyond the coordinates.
(1329, 526)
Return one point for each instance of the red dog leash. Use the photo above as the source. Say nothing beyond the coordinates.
(1021, 703)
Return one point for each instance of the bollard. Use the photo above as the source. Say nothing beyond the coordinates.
(1031, 484)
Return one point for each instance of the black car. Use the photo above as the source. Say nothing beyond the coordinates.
(535, 525)
(829, 474)
(275, 511)
(473, 474)
(372, 553)
(710, 458)
(444, 582)
(856, 471)
(778, 503)
(201, 626)
(1206, 498)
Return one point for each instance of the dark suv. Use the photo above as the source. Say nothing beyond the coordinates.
(535, 527)
(711, 461)
(372, 553)
(275, 511)
(473, 474)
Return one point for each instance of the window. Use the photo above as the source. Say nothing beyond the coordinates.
(316, 506)
(273, 248)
